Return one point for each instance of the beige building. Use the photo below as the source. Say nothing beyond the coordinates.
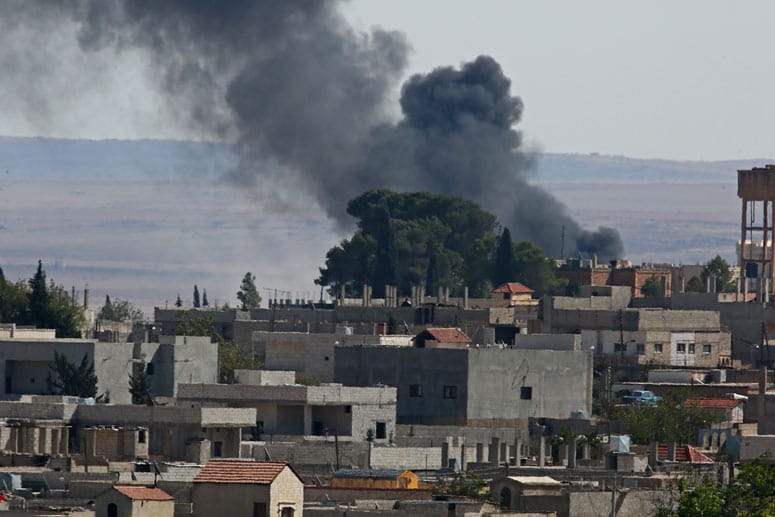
(251, 488)
(134, 501)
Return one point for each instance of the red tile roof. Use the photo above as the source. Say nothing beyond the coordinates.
(144, 493)
(684, 453)
(240, 471)
(513, 288)
(448, 335)
(713, 403)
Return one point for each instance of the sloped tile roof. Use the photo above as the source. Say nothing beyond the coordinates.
(684, 454)
(513, 288)
(448, 335)
(144, 493)
(240, 471)
(713, 403)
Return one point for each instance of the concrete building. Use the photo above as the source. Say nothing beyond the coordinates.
(175, 433)
(311, 355)
(473, 386)
(648, 336)
(536, 494)
(25, 364)
(514, 294)
(632, 277)
(134, 501)
(255, 488)
(297, 410)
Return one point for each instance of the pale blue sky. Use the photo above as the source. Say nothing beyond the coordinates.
(658, 79)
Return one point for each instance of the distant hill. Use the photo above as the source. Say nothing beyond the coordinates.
(127, 159)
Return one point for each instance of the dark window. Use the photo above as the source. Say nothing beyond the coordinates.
(348, 409)
(286, 512)
(149, 369)
(450, 392)
(706, 349)
(620, 347)
(641, 348)
(141, 436)
(112, 510)
(217, 449)
(381, 433)
(326, 358)
(526, 393)
(691, 348)
(415, 390)
(658, 348)
(259, 509)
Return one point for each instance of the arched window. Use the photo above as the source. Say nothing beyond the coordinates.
(286, 512)
(112, 510)
(506, 497)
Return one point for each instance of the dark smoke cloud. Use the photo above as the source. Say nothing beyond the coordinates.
(294, 84)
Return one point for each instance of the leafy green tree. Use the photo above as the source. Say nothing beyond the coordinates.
(750, 493)
(76, 380)
(178, 302)
(248, 294)
(652, 288)
(669, 421)
(536, 270)
(408, 239)
(718, 268)
(205, 303)
(139, 384)
(119, 310)
(504, 267)
(695, 285)
(197, 302)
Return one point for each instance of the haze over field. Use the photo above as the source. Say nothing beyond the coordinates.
(146, 220)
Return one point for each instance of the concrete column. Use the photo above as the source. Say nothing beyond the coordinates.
(653, 455)
(504, 453)
(518, 452)
(465, 297)
(572, 453)
(364, 295)
(541, 451)
(494, 451)
(479, 452)
(586, 451)
(64, 442)
(671, 448)
(564, 454)
(440, 297)
(307, 420)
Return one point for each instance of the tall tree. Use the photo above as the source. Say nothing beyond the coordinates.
(197, 303)
(76, 380)
(504, 267)
(178, 302)
(652, 288)
(205, 303)
(248, 294)
(386, 266)
(718, 269)
(139, 384)
(39, 299)
(536, 270)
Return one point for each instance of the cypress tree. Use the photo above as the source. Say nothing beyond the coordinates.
(197, 304)
(205, 303)
(504, 267)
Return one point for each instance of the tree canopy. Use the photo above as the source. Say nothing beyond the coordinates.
(77, 380)
(41, 303)
(421, 238)
(119, 310)
(717, 268)
(248, 294)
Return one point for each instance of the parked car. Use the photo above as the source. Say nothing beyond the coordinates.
(641, 397)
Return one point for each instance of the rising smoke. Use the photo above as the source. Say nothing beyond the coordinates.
(292, 83)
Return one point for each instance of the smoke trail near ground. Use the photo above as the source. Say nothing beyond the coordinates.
(293, 84)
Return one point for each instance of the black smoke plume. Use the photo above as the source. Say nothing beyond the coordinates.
(297, 87)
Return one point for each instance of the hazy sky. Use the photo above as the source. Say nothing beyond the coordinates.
(682, 80)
